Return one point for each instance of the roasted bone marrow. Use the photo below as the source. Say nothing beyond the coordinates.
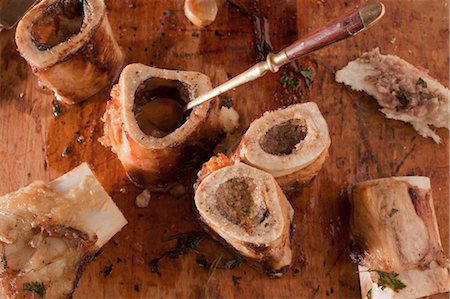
(50, 232)
(152, 157)
(394, 230)
(403, 91)
(70, 46)
(291, 144)
(245, 208)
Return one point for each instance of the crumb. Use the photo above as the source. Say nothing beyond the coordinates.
(107, 270)
(229, 119)
(123, 190)
(177, 191)
(80, 140)
(143, 199)
(21, 95)
(392, 41)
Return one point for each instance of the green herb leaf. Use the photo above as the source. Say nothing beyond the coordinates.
(389, 280)
(234, 263)
(307, 73)
(369, 294)
(422, 82)
(393, 211)
(289, 82)
(36, 287)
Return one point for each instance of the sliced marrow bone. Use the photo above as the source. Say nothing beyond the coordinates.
(245, 208)
(152, 157)
(50, 232)
(394, 230)
(291, 144)
(70, 47)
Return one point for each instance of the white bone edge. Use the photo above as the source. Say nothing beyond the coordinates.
(105, 222)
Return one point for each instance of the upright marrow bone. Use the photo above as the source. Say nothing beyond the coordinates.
(151, 157)
(70, 47)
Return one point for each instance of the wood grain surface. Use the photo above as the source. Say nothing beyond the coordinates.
(365, 145)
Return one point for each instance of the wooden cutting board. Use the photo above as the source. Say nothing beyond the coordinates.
(365, 145)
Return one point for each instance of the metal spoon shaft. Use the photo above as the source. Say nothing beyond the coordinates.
(341, 28)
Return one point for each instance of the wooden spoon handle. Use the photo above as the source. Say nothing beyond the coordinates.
(336, 30)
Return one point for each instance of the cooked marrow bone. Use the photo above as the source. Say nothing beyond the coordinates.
(50, 232)
(151, 157)
(403, 91)
(394, 229)
(291, 144)
(70, 47)
(246, 208)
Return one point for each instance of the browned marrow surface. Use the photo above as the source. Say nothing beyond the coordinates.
(394, 229)
(245, 208)
(153, 158)
(70, 47)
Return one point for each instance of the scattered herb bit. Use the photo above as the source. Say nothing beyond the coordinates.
(118, 260)
(166, 13)
(56, 108)
(35, 287)
(213, 267)
(236, 279)
(185, 242)
(393, 211)
(369, 294)
(289, 82)
(107, 270)
(307, 73)
(422, 82)
(154, 265)
(67, 151)
(234, 263)
(388, 279)
(295, 271)
(137, 288)
(195, 34)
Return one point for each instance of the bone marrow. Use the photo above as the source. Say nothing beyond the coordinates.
(50, 232)
(403, 91)
(154, 158)
(291, 144)
(245, 208)
(68, 44)
(394, 230)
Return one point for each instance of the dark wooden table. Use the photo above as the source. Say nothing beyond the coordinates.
(365, 145)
